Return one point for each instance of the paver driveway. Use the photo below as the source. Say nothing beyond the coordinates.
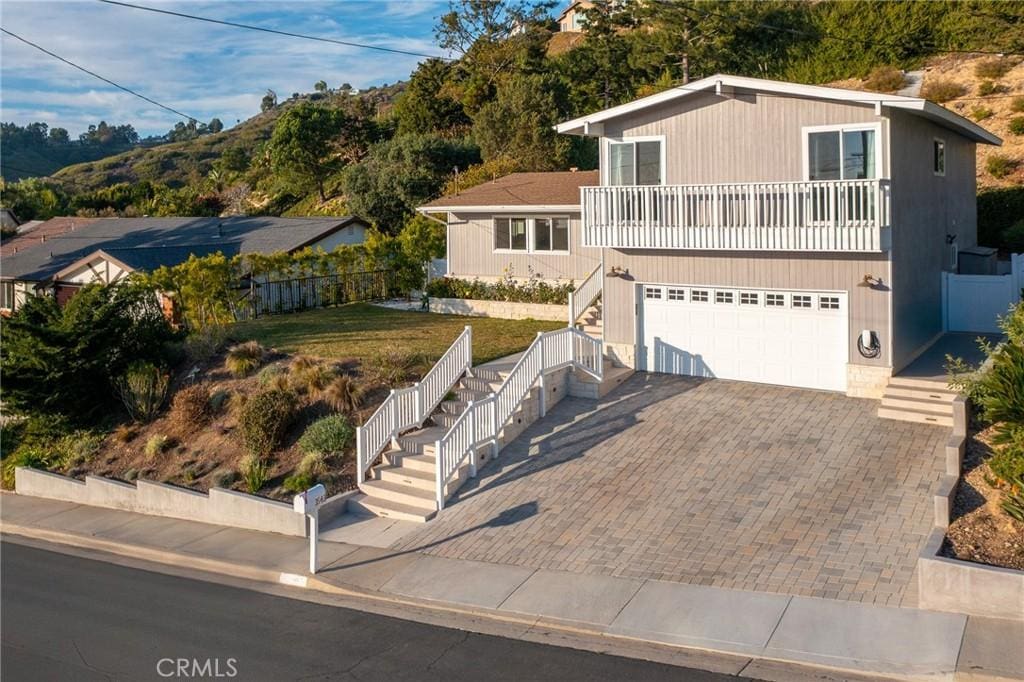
(707, 482)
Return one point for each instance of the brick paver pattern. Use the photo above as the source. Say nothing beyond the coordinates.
(708, 482)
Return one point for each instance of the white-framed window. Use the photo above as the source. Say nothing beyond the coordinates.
(749, 298)
(675, 294)
(699, 296)
(7, 295)
(939, 156)
(635, 161)
(775, 300)
(828, 302)
(725, 297)
(845, 152)
(801, 301)
(548, 234)
(652, 292)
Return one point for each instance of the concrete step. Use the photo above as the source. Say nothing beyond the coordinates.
(915, 416)
(455, 407)
(467, 394)
(377, 506)
(408, 460)
(445, 419)
(415, 478)
(921, 393)
(592, 329)
(401, 494)
(918, 404)
(481, 384)
(911, 382)
(421, 442)
(489, 374)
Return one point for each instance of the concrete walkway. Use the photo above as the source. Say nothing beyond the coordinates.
(845, 636)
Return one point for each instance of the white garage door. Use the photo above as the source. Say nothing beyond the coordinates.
(791, 338)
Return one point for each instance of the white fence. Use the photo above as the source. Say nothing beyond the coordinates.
(831, 215)
(585, 294)
(482, 421)
(409, 407)
(973, 303)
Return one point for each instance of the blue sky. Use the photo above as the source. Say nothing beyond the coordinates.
(198, 68)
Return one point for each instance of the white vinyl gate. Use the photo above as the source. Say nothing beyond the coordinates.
(973, 303)
(790, 338)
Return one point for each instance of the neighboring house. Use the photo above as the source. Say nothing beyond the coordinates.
(519, 224)
(573, 18)
(767, 231)
(61, 255)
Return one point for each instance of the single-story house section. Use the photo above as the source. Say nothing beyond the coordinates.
(518, 224)
(64, 254)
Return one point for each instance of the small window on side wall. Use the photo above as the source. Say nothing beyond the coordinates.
(939, 156)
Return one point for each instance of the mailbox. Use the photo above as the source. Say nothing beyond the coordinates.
(307, 502)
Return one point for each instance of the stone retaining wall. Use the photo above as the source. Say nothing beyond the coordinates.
(946, 584)
(219, 506)
(503, 309)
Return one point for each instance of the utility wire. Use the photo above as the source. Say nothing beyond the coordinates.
(264, 29)
(96, 75)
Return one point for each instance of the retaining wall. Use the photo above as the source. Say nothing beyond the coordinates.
(946, 584)
(219, 506)
(502, 309)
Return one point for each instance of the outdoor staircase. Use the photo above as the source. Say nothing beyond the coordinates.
(926, 401)
(590, 321)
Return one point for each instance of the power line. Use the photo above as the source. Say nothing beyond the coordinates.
(825, 34)
(264, 29)
(96, 75)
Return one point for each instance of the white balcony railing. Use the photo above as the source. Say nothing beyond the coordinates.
(831, 215)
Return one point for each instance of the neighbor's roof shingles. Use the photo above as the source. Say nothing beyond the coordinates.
(521, 189)
(41, 233)
(147, 243)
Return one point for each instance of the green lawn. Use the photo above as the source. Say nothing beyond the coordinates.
(360, 330)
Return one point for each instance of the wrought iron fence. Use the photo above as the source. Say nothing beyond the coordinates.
(307, 293)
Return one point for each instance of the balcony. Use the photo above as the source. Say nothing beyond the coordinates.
(829, 215)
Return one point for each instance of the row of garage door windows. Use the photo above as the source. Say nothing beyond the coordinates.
(743, 298)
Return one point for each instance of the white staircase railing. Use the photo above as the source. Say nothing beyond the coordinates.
(405, 408)
(482, 421)
(585, 294)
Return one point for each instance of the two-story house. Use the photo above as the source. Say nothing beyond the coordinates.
(756, 230)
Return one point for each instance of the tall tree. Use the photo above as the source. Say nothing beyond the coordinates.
(519, 123)
(427, 104)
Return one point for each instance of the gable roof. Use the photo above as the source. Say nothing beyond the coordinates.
(557, 190)
(148, 243)
(31, 236)
(719, 82)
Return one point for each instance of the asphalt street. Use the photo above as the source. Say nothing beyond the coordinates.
(64, 617)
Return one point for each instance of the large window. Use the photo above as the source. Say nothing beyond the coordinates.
(635, 162)
(547, 234)
(842, 154)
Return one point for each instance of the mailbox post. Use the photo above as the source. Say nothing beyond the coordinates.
(308, 503)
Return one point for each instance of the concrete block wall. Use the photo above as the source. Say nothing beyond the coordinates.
(946, 584)
(503, 309)
(865, 381)
(219, 506)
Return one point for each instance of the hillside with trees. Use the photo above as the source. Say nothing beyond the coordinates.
(490, 110)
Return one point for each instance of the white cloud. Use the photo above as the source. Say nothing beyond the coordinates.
(201, 69)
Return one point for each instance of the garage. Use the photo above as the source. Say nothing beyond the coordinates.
(789, 338)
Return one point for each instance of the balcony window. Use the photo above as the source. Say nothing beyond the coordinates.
(842, 154)
(635, 162)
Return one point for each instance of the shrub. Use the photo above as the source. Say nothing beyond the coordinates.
(940, 90)
(268, 374)
(1007, 464)
(998, 209)
(255, 471)
(327, 436)
(1017, 125)
(219, 399)
(204, 343)
(993, 68)
(265, 419)
(125, 433)
(986, 88)
(224, 478)
(306, 474)
(157, 444)
(190, 408)
(885, 79)
(35, 458)
(244, 358)
(77, 448)
(1017, 104)
(143, 389)
(392, 365)
(981, 113)
(343, 394)
(532, 290)
(1013, 237)
(999, 166)
(308, 375)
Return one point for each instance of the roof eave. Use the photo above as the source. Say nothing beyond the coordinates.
(501, 208)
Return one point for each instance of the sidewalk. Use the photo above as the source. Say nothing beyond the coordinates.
(856, 638)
